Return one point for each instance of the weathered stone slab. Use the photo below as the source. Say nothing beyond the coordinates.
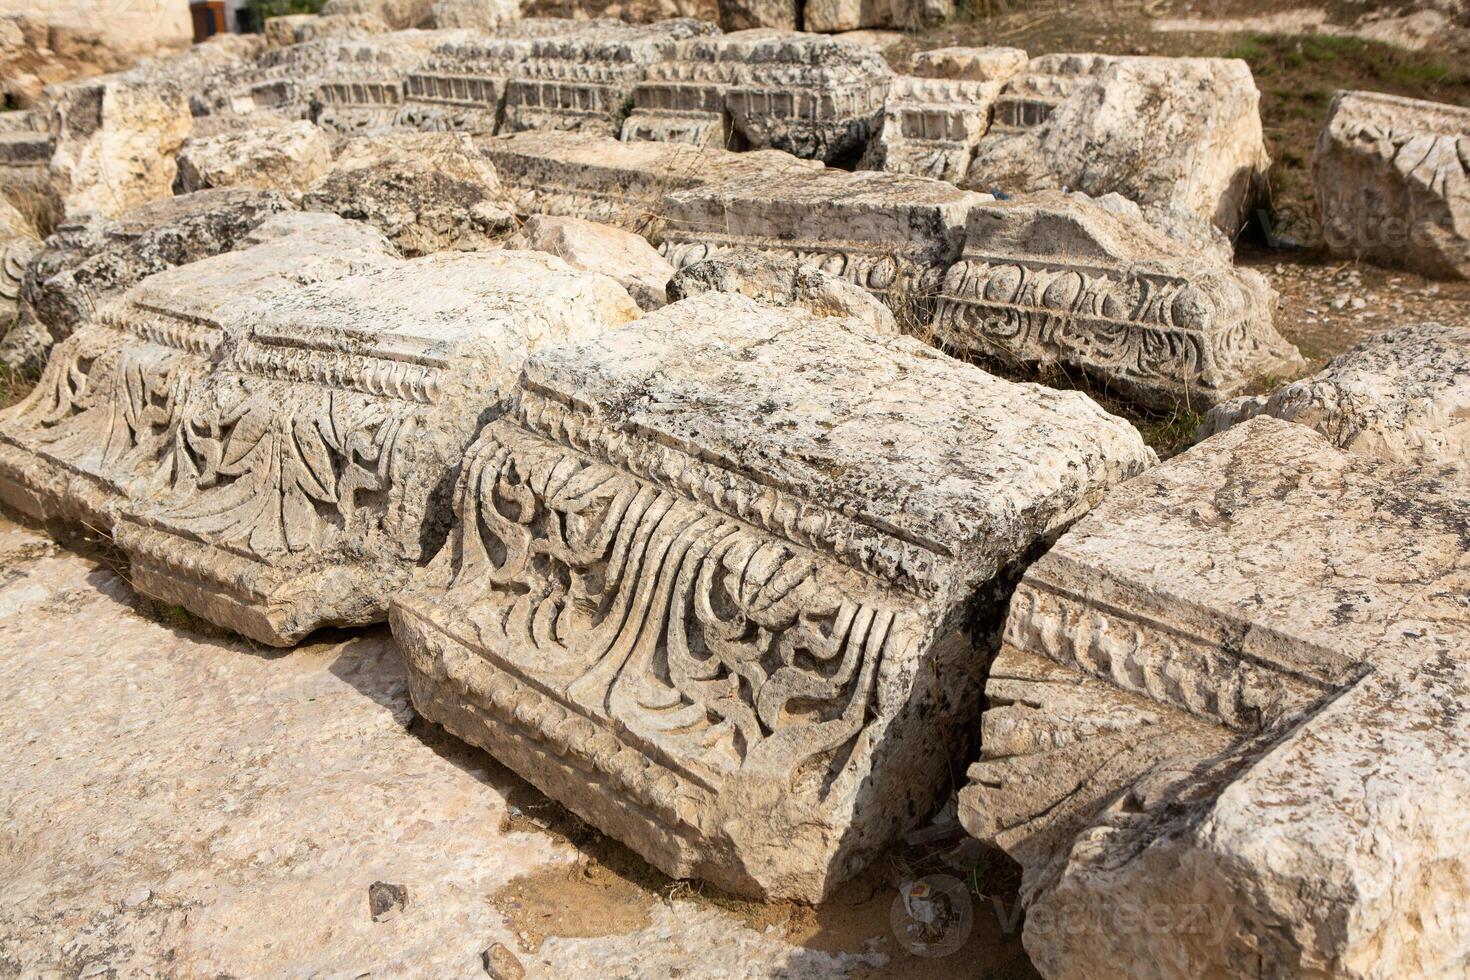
(717, 579)
(892, 234)
(286, 158)
(92, 259)
(1226, 731)
(1403, 395)
(721, 91)
(1164, 132)
(103, 422)
(1055, 279)
(989, 64)
(931, 127)
(1390, 177)
(617, 183)
(830, 16)
(427, 192)
(312, 468)
(588, 246)
(25, 155)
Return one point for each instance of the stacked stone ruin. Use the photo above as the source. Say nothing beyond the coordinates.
(698, 500)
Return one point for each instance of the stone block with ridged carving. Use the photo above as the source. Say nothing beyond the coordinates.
(723, 583)
(311, 468)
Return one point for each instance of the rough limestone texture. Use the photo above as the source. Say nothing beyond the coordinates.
(25, 155)
(427, 192)
(312, 466)
(830, 16)
(892, 234)
(717, 580)
(397, 15)
(1055, 279)
(1226, 731)
(18, 243)
(240, 831)
(287, 158)
(589, 246)
(115, 142)
(104, 420)
(482, 16)
(281, 32)
(804, 93)
(741, 15)
(1175, 132)
(1403, 395)
(1390, 177)
(990, 64)
(617, 183)
(931, 126)
(783, 281)
(91, 259)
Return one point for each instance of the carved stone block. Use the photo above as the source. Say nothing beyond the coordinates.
(1055, 279)
(286, 158)
(103, 420)
(830, 16)
(931, 127)
(892, 234)
(617, 183)
(990, 64)
(1403, 395)
(311, 470)
(1226, 730)
(716, 581)
(682, 99)
(1179, 133)
(1392, 185)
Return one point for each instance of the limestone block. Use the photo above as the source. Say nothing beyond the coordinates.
(1179, 132)
(426, 191)
(617, 183)
(287, 158)
(103, 421)
(482, 16)
(892, 234)
(716, 581)
(588, 246)
(314, 464)
(17, 245)
(1225, 734)
(25, 156)
(741, 15)
(1403, 395)
(720, 91)
(292, 29)
(1390, 177)
(92, 259)
(783, 281)
(931, 127)
(988, 64)
(830, 16)
(398, 15)
(1054, 279)
(116, 139)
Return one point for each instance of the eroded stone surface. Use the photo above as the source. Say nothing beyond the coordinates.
(589, 246)
(617, 183)
(1390, 177)
(310, 471)
(240, 830)
(931, 126)
(287, 158)
(1180, 132)
(893, 234)
(1056, 279)
(993, 64)
(717, 580)
(1228, 705)
(427, 192)
(830, 16)
(1403, 395)
(103, 421)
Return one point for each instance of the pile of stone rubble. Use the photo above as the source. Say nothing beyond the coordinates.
(664, 443)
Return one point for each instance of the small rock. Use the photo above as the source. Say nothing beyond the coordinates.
(137, 897)
(385, 900)
(501, 964)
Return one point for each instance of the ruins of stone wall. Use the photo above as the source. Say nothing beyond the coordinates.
(716, 578)
(1391, 184)
(1224, 732)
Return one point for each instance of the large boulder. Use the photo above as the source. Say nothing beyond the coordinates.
(427, 192)
(287, 158)
(1403, 395)
(1391, 184)
(717, 581)
(1175, 132)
